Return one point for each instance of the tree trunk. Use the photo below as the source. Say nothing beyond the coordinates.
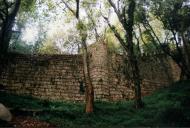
(6, 29)
(186, 52)
(131, 55)
(137, 82)
(127, 21)
(89, 94)
(135, 71)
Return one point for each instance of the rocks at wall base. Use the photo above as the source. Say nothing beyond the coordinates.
(5, 113)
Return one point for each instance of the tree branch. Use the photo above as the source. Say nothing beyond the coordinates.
(2, 17)
(114, 7)
(77, 8)
(58, 4)
(70, 9)
(116, 33)
(140, 31)
(94, 24)
(121, 16)
(138, 42)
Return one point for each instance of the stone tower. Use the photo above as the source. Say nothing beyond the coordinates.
(99, 69)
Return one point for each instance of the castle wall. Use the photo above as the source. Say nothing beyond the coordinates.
(60, 77)
(99, 70)
(156, 71)
(55, 77)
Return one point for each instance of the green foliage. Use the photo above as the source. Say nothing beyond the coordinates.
(172, 13)
(21, 47)
(16, 101)
(27, 5)
(166, 107)
(48, 48)
(147, 37)
(112, 42)
(149, 45)
(26, 11)
(140, 15)
(81, 26)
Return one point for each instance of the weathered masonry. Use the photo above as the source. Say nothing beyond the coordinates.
(60, 77)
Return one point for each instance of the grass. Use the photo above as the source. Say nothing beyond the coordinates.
(167, 107)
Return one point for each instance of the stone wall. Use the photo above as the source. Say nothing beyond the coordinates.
(99, 70)
(111, 76)
(60, 77)
(157, 71)
(55, 77)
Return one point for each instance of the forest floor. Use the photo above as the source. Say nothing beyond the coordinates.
(25, 122)
(169, 107)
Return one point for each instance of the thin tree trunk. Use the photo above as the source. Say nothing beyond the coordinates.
(89, 108)
(89, 93)
(135, 71)
(136, 76)
(128, 23)
(131, 55)
(186, 49)
(6, 32)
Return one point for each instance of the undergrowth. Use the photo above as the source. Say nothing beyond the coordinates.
(167, 107)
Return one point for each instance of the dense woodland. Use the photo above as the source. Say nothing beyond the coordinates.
(129, 27)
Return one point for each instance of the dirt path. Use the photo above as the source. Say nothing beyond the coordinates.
(27, 122)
